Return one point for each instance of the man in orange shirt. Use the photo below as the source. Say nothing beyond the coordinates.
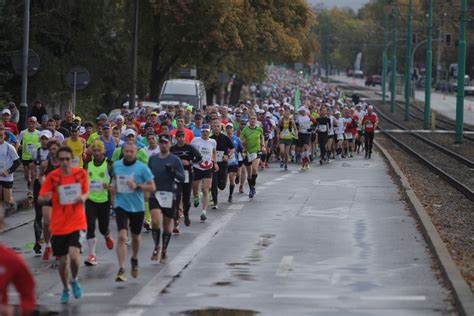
(188, 134)
(67, 187)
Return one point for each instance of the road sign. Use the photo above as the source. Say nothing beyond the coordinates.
(78, 78)
(33, 62)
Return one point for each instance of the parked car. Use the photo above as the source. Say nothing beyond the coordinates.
(358, 74)
(468, 87)
(443, 86)
(373, 80)
(190, 91)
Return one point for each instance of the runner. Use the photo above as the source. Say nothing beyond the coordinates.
(110, 142)
(339, 132)
(41, 155)
(287, 128)
(166, 169)
(322, 127)
(253, 141)
(369, 124)
(98, 203)
(77, 145)
(29, 140)
(233, 168)
(152, 149)
(203, 170)
(189, 135)
(9, 162)
(349, 129)
(188, 155)
(67, 188)
(131, 178)
(304, 122)
(45, 168)
(224, 149)
(360, 131)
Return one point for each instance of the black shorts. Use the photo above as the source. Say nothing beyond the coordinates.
(233, 168)
(241, 163)
(313, 137)
(61, 243)
(247, 163)
(361, 133)
(303, 139)
(199, 174)
(6, 184)
(26, 162)
(168, 212)
(123, 218)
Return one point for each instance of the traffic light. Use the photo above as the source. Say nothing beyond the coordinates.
(447, 39)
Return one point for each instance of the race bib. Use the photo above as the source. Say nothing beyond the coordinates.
(220, 156)
(252, 157)
(96, 186)
(348, 135)
(76, 162)
(122, 186)
(285, 133)
(69, 193)
(340, 136)
(323, 128)
(31, 148)
(369, 124)
(186, 176)
(165, 199)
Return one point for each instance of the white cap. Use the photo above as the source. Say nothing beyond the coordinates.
(337, 112)
(162, 113)
(129, 132)
(46, 133)
(119, 117)
(268, 114)
(302, 109)
(6, 111)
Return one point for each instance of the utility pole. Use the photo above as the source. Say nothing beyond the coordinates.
(394, 62)
(384, 68)
(408, 62)
(461, 74)
(429, 66)
(440, 47)
(24, 67)
(131, 103)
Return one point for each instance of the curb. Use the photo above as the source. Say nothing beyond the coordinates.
(462, 293)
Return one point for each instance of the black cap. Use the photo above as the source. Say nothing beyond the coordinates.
(164, 138)
(180, 133)
(74, 127)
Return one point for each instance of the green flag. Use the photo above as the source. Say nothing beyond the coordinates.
(297, 99)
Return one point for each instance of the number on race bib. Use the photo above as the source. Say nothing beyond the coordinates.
(165, 199)
(340, 136)
(251, 157)
(122, 186)
(186, 176)
(69, 193)
(348, 135)
(96, 186)
(220, 156)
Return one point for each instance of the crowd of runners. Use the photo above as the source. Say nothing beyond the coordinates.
(149, 168)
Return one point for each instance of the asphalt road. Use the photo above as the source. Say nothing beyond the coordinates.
(335, 240)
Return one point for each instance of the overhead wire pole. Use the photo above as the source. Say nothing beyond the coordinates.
(131, 104)
(24, 66)
(408, 61)
(384, 68)
(461, 74)
(429, 67)
(394, 62)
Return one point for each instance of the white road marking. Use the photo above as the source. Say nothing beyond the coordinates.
(269, 183)
(295, 172)
(131, 312)
(278, 179)
(285, 266)
(88, 294)
(236, 207)
(305, 296)
(394, 298)
(149, 293)
(243, 199)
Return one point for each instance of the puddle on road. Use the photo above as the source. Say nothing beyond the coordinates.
(217, 312)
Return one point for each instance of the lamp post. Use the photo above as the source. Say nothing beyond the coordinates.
(461, 74)
(24, 69)
(394, 62)
(131, 103)
(408, 61)
(429, 65)
(384, 67)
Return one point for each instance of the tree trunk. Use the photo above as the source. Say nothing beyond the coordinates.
(235, 92)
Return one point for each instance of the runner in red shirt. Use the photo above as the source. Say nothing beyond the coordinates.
(369, 124)
(67, 187)
(188, 134)
(13, 270)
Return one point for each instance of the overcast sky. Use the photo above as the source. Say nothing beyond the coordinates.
(354, 4)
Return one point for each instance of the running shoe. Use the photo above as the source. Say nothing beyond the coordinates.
(229, 200)
(370, 154)
(65, 296)
(176, 227)
(46, 254)
(135, 271)
(91, 261)
(109, 242)
(214, 206)
(252, 192)
(187, 221)
(197, 199)
(37, 249)
(146, 226)
(282, 164)
(155, 256)
(203, 216)
(286, 167)
(351, 156)
(76, 289)
(321, 162)
(164, 256)
(121, 277)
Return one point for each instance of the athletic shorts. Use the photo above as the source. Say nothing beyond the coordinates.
(313, 137)
(241, 163)
(26, 162)
(123, 218)
(61, 243)
(6, 184)
(233, 168)
(199, 174)
(303, 139)
(247, 163)
(168, 212)
(286, 142)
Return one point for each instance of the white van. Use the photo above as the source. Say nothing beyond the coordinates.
(190, 91)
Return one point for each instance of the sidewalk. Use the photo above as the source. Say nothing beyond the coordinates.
(444, 104)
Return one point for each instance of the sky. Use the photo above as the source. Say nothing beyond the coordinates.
(354, 4)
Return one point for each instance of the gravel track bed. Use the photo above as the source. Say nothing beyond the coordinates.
(446, 140)
(448, 164)
(450, 211)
